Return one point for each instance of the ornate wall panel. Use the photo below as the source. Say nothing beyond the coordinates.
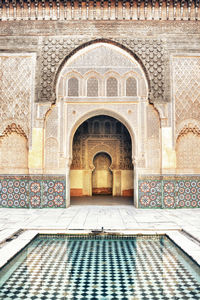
(92, 87)
(187, 151)
(77, 153)
(169, 191)
(13, 152)
(131, 87)
(153, 123)
(112, 87)
(52, 123)
(51, 139)
(32, 191)
(102, 144)
(153, 138)
(150, 52)
(150, 193)
(110, 64)
(51, 153)
(73, 87)
(16, 90)
(186, 87)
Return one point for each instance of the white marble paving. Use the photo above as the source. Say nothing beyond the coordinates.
(124, 219)
(94, 217)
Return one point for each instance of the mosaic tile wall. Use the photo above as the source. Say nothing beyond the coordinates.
(32, 191)
(169, 192)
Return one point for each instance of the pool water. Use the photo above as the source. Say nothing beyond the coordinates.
(136, 267)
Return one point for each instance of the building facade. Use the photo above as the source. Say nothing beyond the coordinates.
(99, 97)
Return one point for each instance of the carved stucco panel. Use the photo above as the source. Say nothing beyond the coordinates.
(112, 147)
(188, 154)
(13, 157)
(16, 90)
(151, 53)
(186, 88)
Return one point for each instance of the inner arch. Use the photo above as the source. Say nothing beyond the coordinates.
(102, 158)
(106, 112)
(102, 176)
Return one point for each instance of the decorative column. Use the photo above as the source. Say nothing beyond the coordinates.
(116, 182)
(87, 182)
(135, 183)
(168, 153)
(35, 160)
(36, 146)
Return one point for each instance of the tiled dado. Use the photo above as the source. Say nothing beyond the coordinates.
(32, 191)
(169, 191)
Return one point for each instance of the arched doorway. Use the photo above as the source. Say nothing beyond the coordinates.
(115, 85)
(102, 159)
(102, 177)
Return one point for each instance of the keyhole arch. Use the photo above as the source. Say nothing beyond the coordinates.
(102, 175)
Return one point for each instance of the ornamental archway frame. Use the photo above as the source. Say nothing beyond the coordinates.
(73, 125)
(94, 42)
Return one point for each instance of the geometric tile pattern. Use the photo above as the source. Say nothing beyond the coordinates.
(146, 268)
(54, 193)
(35, 193)
(13, 192)
(150, 193)
(26, 191)
(173, 193)
(188, 193)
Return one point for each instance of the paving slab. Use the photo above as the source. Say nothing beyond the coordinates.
(88, 217)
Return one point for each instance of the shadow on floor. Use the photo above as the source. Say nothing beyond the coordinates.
(101, 200)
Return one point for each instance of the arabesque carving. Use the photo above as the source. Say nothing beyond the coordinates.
(13, 151)
(186, 73)
(14, 128)
(150, 52)
(189, 128)
(16, 72)
(187, 149)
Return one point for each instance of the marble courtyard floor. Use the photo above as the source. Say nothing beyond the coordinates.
(182, 225)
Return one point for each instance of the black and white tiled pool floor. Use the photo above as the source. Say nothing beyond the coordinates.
(137, 268)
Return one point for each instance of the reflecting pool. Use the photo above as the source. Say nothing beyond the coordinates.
(100, 267)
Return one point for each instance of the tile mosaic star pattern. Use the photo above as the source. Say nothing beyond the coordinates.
(32, 192)
(174, 193)
(150, 193)
(13, 193)
(145, 268)
(54, 193)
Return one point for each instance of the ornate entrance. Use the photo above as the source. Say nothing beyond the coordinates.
(102, 159)
(102, 179)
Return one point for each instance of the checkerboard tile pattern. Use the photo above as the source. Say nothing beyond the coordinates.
(146, 268)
